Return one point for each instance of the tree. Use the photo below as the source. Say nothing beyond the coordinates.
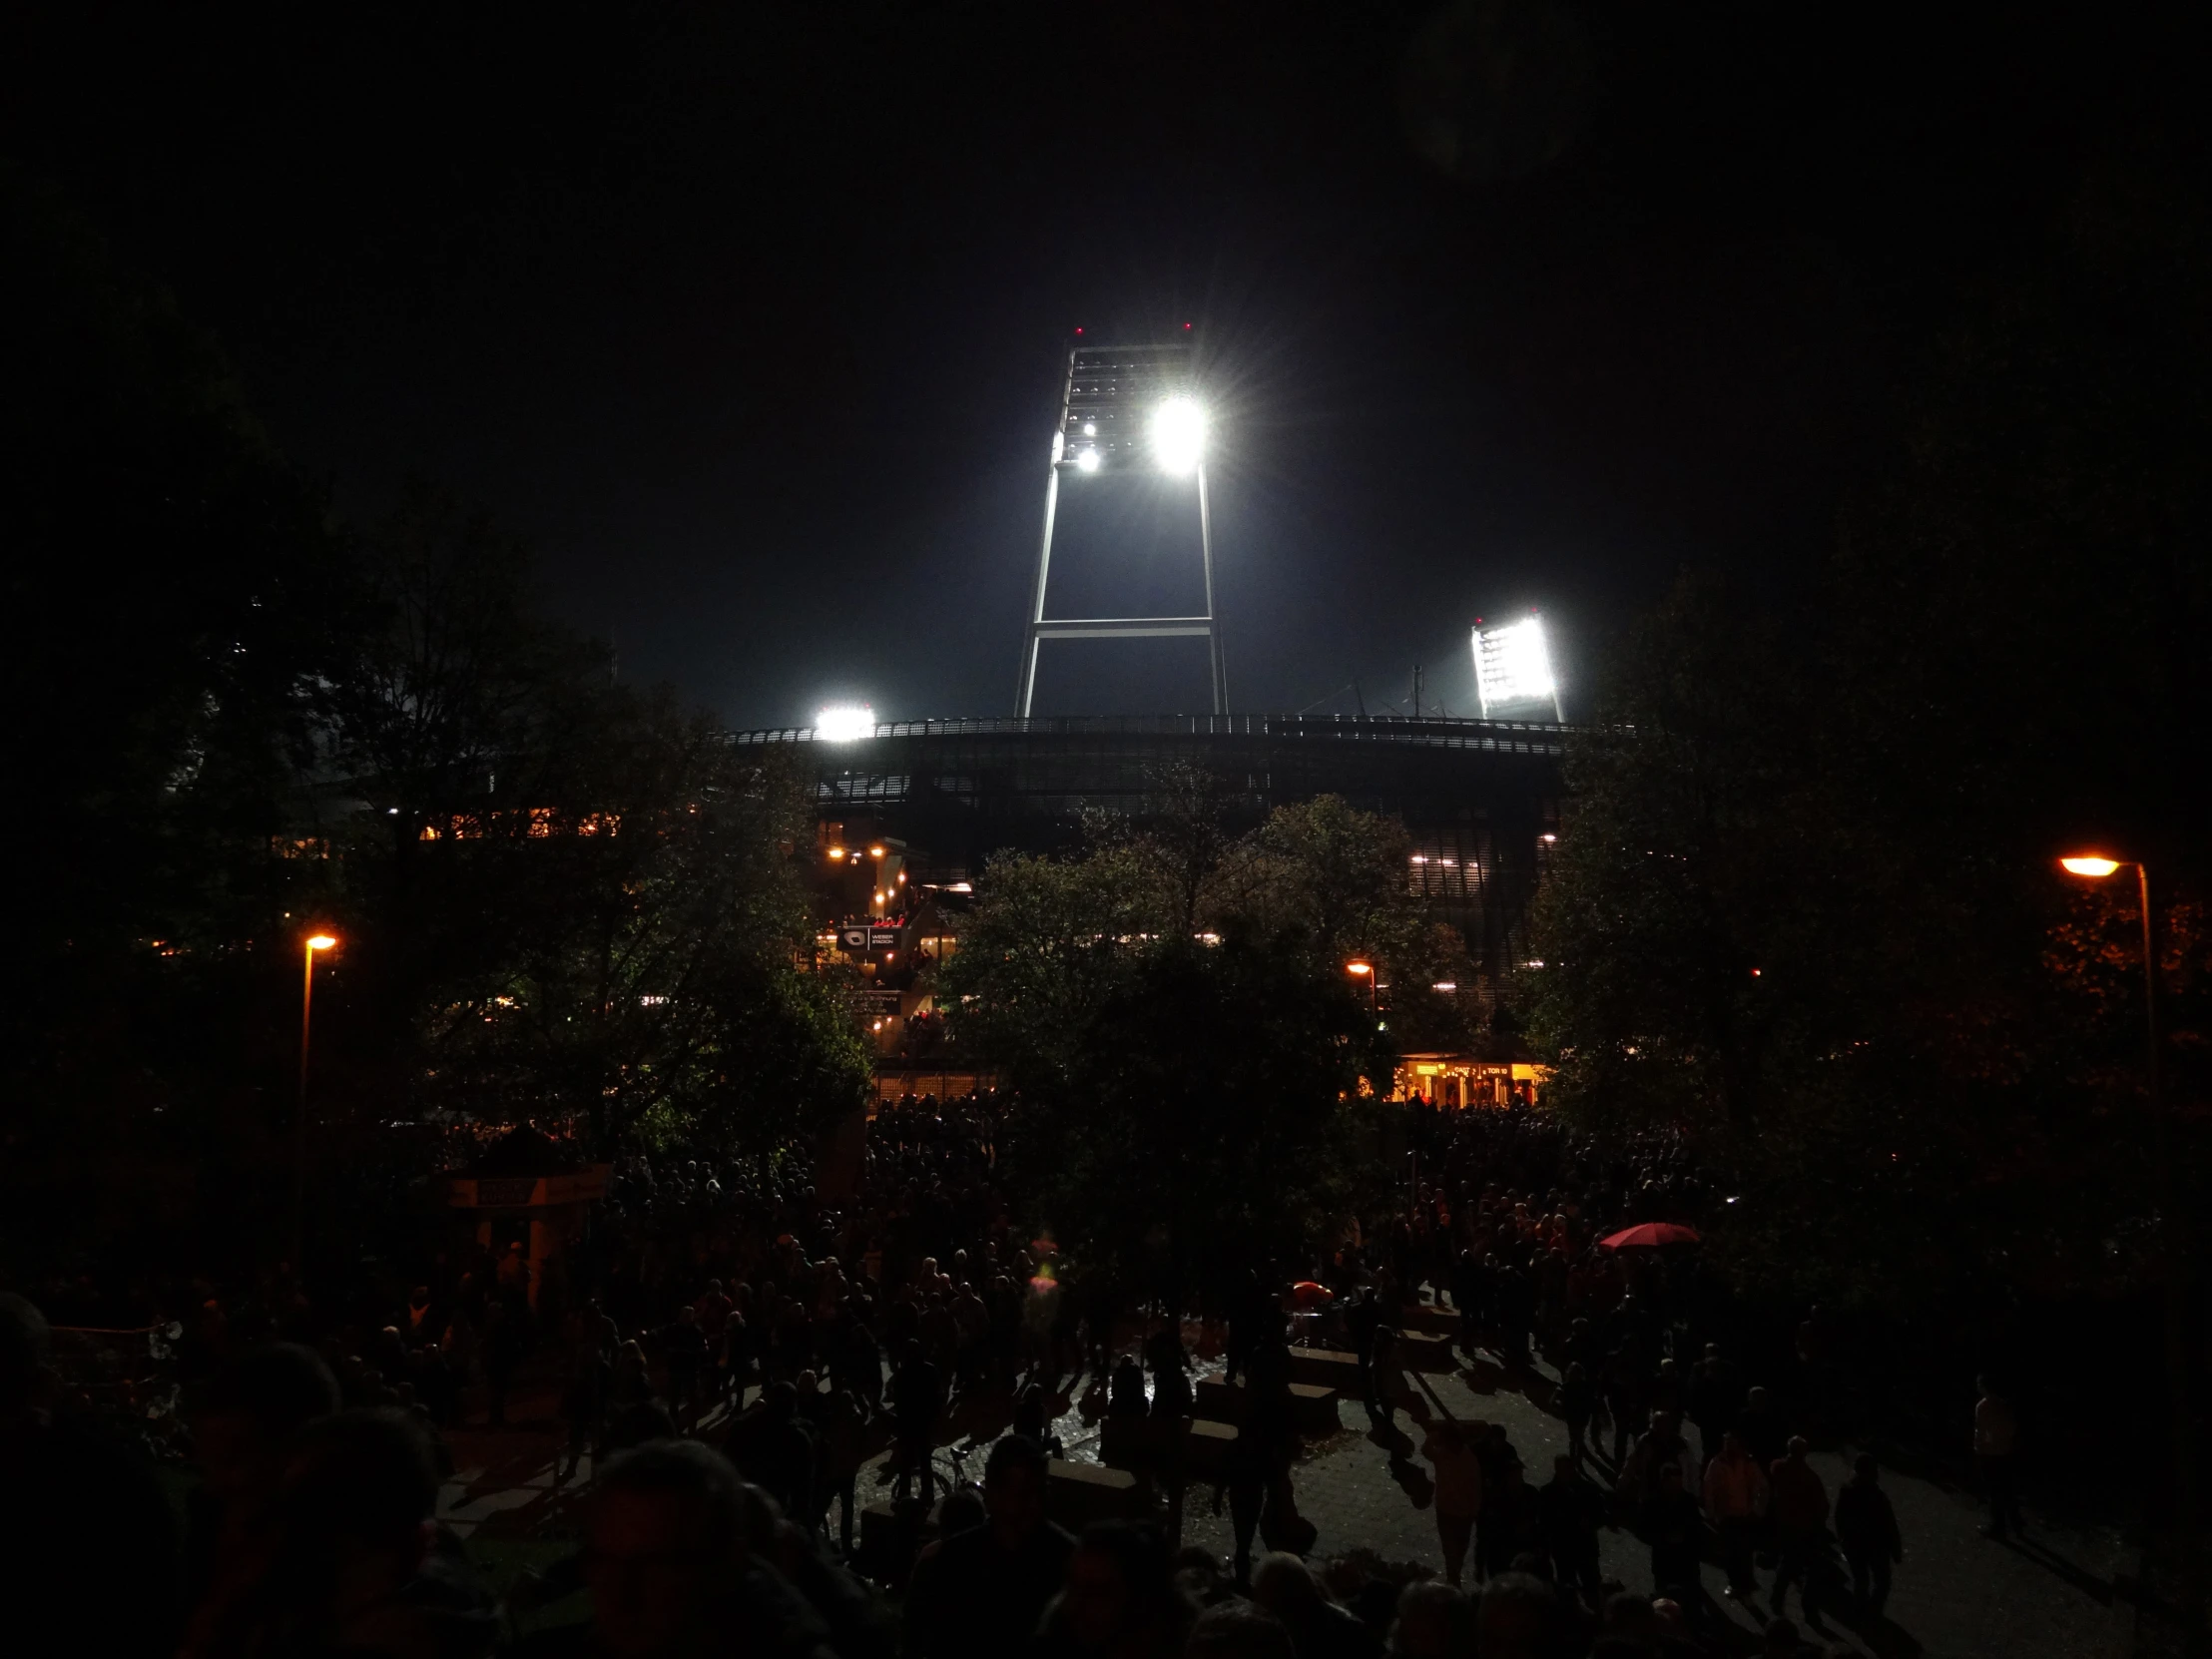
(1918, 1085)
(168, 574)
(656, 966)
(1172, 1008)
(1666, 927)
(1204, 1126)
(566, 896)
(1049, 940)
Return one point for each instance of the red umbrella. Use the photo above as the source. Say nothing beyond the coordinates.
(1306, 1293)
(1650, 1235)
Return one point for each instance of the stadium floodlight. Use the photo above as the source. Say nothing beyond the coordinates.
(845, 722)
(1512, 667)
(1179, 434)
(1127, 411)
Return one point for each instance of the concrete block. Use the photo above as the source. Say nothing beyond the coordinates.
(1422, 1351)
(1222, 1401)
(1078, 1494)
(1206, 1446)
(1313, 1405)
(1137, 1442)
(1325, 1367)
(1437, 1321)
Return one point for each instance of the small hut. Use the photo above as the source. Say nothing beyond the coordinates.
(528, 1189)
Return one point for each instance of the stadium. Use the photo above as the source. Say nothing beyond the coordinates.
(910, 813)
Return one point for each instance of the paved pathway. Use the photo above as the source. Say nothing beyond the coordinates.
(1957, 1595)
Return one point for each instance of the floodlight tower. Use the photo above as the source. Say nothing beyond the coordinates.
(1512, 671)
(1126, 410)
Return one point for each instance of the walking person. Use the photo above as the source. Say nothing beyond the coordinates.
(917, 1399)
(506, 1339)
(1624, 1401)
(844, 1448)
(1799, 1505)
(1363, 1322)
(1866, 1527)
(1670, 1524)
(1572, 1509)
(1459, 1492)
(684, 1352)
(1577, 1401)
(1716, 1397)
(1996, 1430)
(1735, 1502)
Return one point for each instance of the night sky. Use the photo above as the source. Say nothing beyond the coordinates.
(751, 318)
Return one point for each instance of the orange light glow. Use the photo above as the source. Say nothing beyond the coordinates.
(321, 941)
(1359, 967)
(875, 852)
(837, 852)
(2089, 863)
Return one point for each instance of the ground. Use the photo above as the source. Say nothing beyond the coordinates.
(1958, 1595)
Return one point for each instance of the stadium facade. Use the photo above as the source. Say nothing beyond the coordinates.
(1479, 800)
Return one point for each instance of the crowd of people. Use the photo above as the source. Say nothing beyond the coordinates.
(730, 1350)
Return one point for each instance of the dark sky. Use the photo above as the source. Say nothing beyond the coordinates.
(751, 319)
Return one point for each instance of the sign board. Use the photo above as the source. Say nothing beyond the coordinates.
(852, 938)
(528, 1192)
(883, 938)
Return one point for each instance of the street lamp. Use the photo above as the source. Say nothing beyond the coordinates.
(313, 943)
(2173, 1241)
(1364, 971)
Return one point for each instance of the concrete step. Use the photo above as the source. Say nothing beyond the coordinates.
(1324, 1368)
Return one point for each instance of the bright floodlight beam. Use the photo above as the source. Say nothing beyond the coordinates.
(845, 723)
(1179, 434)
(1512, 664)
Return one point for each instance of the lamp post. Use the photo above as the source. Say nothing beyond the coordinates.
(2173, 1247)
(313, 943)
(1365, 971)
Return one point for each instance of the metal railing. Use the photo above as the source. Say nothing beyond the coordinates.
(1524, 737)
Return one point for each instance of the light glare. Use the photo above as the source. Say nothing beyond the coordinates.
(845, 722)
(1179, 434)
(2089, 865)
(1086, 460)
(1513, 665)
(321, 941)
